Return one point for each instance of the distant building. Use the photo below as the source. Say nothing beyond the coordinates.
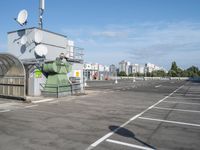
(95, 71)
(112, 70)
(141, 70)
(117, 70)
(151, 67)
(89, 71)
(127, 67)
(124, 66)
(136, 68)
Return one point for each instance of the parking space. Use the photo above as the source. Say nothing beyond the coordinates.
(171, 123)
(142, 115)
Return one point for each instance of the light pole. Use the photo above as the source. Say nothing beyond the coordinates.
(133, 77)
(116, 77)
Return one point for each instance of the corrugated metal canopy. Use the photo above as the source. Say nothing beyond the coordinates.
(11, 66)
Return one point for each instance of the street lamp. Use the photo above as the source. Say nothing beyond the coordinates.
(133, 76)
(116, 77)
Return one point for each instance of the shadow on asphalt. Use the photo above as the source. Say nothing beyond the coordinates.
(129, 134)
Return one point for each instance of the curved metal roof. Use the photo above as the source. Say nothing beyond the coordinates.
(11, 66)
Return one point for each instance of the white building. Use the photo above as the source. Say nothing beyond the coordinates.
(124, 66)
(136, 68)
(112, 70)
(95, 71)
(151, 67)
(141, 69)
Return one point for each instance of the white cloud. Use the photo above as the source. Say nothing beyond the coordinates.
(110, 34)
(154, 42)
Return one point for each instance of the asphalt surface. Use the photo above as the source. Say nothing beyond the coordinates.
(128, 115)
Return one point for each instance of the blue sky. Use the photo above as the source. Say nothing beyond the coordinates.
(156, 31)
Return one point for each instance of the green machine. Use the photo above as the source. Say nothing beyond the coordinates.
(57, 82)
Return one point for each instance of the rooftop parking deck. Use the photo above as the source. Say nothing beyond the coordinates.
(130, 115)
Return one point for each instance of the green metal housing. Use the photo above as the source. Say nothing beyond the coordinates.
(57, 81)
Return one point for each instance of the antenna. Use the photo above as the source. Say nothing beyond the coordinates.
(22, 17)
(41, 11)
(42, 4)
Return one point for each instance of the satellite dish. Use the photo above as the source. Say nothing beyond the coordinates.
(41, 50)
(22, 17)
(38, 37)
(23, 40)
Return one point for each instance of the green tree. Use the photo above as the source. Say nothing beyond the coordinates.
(139, 74)
(175, 71)
(193, 71)
(122, 73)
(148, 74)
(172, 73)
(158, 73)
(132, 75)
(184, 73)
(179, 72)
(174, 66)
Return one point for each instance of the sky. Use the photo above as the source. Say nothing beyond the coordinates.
(139, 31)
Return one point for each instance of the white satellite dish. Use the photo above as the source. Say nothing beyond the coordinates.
(22, 17)
(41, 50)
(38, 37)
(23, 40)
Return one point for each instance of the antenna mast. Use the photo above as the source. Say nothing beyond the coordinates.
(41, 11)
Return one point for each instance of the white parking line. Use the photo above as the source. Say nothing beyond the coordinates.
(43, 100)
(6, 110)
(157, 86)
(93, 145)
(52, 102)
(177, 102)
(7, 104)
(184, 98)
(162, 108)
(179, 95)
(193, 94)
(169, 121)
(129, 145)
(30, 106)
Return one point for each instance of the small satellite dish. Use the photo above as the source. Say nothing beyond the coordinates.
(38, 37)
(23, 40)
(41, 50)
(22, 17)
